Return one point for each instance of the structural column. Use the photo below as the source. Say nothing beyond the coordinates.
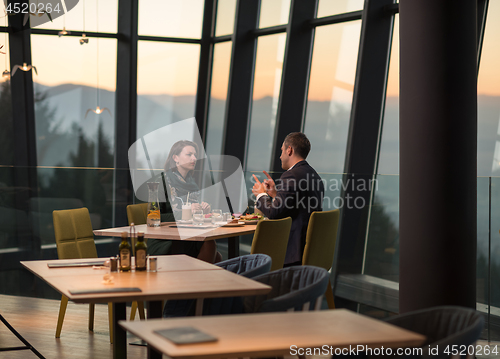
(438, 140)
(126, 105)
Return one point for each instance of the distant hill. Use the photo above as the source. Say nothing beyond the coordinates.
(326, 124)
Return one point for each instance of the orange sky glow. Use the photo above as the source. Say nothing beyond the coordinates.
(171, 68)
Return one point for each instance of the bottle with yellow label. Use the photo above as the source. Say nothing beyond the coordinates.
(140, 252)
(124, 252)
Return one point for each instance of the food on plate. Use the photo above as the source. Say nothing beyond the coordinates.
(251, 217)
(208, 215)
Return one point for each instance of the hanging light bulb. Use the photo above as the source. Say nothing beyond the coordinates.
(24, 68)
(84, 40)
(63, 32)
(98, 110)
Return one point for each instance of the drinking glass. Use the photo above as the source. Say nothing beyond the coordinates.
(198, 217)
(226, 217)
(216, 216)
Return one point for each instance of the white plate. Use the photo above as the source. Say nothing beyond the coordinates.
(233, 225)
(254, 221)
(182, 221)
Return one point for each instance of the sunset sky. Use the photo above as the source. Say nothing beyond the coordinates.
(171, 68)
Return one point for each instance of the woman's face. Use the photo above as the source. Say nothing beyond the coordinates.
(186, 159)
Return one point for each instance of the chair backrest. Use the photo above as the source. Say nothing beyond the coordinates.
(249, 266)
(271, 238)
(73, 232)
(320, 239)
(444, 327)
(137, 213)
(293, 288)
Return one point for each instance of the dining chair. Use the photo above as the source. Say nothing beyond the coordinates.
(75, 239)
(248, 266)
(293, 289)
(137, 214)
(445, 327)
(271, 238)
(320, 244)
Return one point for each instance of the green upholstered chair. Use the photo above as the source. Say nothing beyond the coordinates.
(271, 238)
(320, 244)
(75, 239)
(137, 213)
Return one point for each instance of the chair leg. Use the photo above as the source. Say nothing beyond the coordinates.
(60, 318)
(329, 296)
(133, 309)
(110, 317)
(140, 306)
(91, 317)
(137, 306)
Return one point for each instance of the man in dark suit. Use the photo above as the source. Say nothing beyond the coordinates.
(298, 193)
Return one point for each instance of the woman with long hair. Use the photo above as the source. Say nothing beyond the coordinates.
(179, 168)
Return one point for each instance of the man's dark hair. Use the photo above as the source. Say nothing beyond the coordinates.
(299, 142)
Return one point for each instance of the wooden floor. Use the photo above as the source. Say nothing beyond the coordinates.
(35, 319)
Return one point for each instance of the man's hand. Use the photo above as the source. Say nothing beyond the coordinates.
(269, 185)
(258, 187)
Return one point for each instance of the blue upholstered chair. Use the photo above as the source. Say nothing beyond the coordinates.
(293, 288)
(248, 266)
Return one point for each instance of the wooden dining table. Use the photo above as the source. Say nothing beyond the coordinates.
(169, 231)
(177, 277)
(277, 334)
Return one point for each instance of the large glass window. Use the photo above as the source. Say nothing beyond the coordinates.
(88, 15)
(167, 78)
(75, 144)
(488, 156)
(218, 95)
(171, 18)
(388, 162)
(330, 94)
(267, 84)
(335, 7)
(382, 251)
(225, 17)
(68, 134)
(488, 101)
(274, 12)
